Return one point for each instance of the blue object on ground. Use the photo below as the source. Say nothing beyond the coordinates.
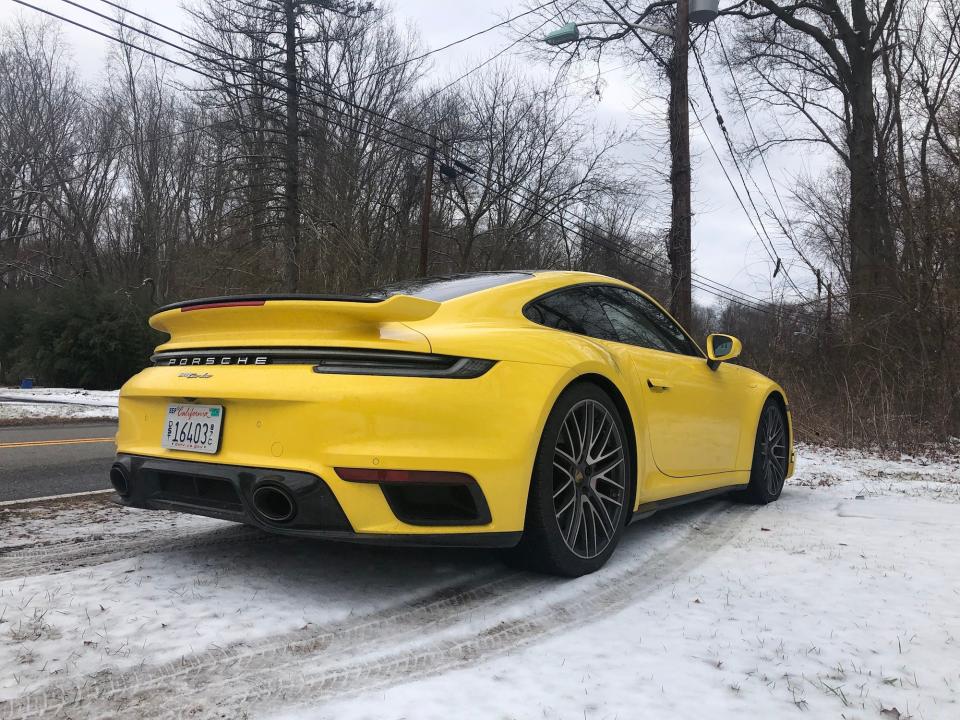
(26, 384)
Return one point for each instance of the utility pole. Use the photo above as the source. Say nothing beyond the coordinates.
(291, 170)
(701, 12)
(679, 246)
(426, 208)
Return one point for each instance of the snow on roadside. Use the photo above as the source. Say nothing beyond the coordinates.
(841, 599)
(17, 411)
(66, 396)
(57, 403)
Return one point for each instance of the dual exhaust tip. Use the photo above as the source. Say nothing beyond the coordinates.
(272, 502)
(119, 480)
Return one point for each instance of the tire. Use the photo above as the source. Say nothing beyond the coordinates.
(580, 492)
(769, 469)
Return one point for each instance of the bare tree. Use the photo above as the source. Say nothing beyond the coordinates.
(816, 63)
(37, 93)
(534, 165)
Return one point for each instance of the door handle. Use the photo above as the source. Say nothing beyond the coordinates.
(658, 385)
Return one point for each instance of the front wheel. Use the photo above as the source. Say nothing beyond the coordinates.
(770, 455)
(579, 493)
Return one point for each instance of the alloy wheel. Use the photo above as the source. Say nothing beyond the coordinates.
(589, 478)
(773, 449)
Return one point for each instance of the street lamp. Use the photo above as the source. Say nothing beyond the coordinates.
(571, 31)
(700, 12)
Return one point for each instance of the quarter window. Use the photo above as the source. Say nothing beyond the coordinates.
(576, 310)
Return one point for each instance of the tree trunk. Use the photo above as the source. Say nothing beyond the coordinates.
(872, 256)
(678, 248)
(291, 185)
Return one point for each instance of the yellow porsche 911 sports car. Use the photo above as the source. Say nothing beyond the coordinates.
(535, 411)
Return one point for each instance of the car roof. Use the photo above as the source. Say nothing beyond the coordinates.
(443, 288)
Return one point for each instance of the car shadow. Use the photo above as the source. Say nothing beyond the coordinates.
(261, 559)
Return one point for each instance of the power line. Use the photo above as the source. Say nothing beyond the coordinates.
(719, 286)
(718, 289)
(111, 37)
(380, 71)
(308, 85)
(497, 55)
(771, 251)
(791, 235)
(503, 23)
(712, 287)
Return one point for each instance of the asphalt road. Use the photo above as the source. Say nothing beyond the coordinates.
(42, 460)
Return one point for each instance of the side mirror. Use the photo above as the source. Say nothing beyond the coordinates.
(721, 348)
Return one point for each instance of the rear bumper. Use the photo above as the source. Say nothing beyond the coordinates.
(226, 492)
(287, 416)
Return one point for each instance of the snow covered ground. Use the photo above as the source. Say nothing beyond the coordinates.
(56, 404)
(840, 601)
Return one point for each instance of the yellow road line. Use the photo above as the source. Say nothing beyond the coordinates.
(41, 443)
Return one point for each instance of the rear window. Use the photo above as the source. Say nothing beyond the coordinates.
(448, 287)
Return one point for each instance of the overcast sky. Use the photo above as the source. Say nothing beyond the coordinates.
(725, 247)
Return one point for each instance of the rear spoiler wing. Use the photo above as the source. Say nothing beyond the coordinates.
(246, 319)
(239, 300)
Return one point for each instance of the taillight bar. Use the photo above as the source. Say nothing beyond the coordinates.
(336, 361)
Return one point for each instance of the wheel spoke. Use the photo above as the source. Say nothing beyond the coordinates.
(578, 448)
(780, 463)
(574, 525)
(611, 466)
(591, 523)
(590, 415)
(584, 525)
(565, 455)
(574, 451)
(562, 469)
(608, 498)
(598, 430)
(606, 522)
(568, 483)
(605, 455)
(595, 438)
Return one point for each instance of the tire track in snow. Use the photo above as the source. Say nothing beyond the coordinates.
(314, 679)
(240, 660)
(381, 649)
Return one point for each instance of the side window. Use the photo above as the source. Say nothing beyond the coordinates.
(576, 310)
(638, 321)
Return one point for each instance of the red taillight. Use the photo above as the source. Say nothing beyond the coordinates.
(376, 475)
(234, 303)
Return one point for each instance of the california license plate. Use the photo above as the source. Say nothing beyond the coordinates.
(194, 428)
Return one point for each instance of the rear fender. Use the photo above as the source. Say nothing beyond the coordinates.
(604, 373)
